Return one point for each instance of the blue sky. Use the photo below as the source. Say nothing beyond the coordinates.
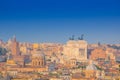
(57, 20)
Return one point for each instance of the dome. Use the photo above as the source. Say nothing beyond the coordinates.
(91, 67)
(38, 53)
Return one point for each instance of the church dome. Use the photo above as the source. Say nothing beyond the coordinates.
(38, 54)
(91, 67)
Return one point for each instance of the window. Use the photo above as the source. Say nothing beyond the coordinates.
(81, 52)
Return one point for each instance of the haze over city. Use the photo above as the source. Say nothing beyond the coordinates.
(59, 40)
(56, 21)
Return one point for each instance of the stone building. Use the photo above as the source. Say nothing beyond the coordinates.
(76, 49)
(38, 59)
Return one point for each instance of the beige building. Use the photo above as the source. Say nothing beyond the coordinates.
(76, 50)
(38, 59)
(35, 46)
(23, 50)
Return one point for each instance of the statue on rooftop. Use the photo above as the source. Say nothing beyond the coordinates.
(73, 37)
(81, 38)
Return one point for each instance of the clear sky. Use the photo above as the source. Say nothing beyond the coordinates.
(57, 20)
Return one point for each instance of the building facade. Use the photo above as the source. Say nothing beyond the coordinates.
(76, 50)
(38, 59)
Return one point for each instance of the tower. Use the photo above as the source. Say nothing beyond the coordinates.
(15, 47)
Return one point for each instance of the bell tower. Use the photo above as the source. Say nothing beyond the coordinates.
(15, 47)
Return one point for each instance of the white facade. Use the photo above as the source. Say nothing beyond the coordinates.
(76, 50)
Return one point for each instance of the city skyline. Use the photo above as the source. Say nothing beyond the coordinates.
(56, 21)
